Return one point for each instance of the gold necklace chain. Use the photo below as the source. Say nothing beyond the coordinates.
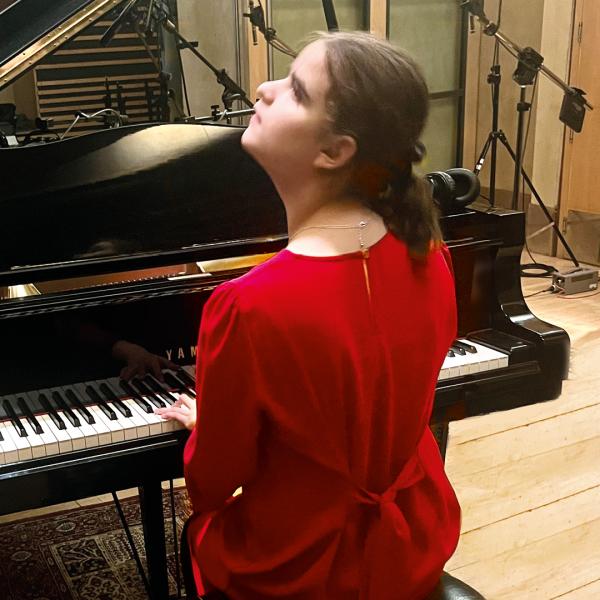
(361, 225)
(364, 250)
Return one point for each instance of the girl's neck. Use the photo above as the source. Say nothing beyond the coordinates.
(324, 221)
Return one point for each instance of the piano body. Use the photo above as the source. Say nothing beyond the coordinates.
(108, 230)
(122, 235)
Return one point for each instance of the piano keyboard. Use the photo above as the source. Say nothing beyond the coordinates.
(64, 419)
(466, 357)
(84, 415)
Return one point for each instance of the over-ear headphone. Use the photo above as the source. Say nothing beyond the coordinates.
(453, 189)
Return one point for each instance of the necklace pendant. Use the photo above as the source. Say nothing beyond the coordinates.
(365, 252)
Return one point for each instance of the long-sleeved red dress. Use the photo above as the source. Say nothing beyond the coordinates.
(314, 394)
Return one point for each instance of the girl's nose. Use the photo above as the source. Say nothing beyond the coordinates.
(266, 91)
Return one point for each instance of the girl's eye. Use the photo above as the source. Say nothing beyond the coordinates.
(297, 92)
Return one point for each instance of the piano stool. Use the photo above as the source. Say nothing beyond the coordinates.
(449, 588)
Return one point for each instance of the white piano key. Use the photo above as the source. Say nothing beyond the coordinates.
(170, 424)
(113, 426)
(154, 422)
(90, 435)
(142, 429)
(64, 441)
(485, 359)
(9, 450)
(103, 434)
(23, 448)
(38, 447)
(77, 434)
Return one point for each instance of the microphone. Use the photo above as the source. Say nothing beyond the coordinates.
(251, 9)
(330, 17)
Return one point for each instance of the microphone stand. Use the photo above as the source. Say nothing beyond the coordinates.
(157, 12)
(530, 63)
(110, 33)
(232, 90)
(330, 16)
(257, 19)
(219, 115)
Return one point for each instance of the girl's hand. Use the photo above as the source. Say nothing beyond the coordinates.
(183, 410)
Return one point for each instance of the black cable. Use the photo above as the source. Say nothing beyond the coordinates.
(550, 289)
(134, 551)
(537, 269)
(175, 538)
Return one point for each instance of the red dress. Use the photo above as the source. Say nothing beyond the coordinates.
(314, 394)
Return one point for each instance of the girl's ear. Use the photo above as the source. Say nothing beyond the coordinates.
(336, 153)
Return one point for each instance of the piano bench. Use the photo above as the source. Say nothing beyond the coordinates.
(450, 588)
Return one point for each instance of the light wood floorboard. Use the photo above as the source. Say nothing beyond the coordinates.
(529, 479)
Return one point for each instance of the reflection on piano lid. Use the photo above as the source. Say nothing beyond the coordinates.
(133, 197)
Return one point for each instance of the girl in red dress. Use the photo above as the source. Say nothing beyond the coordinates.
(317, 369)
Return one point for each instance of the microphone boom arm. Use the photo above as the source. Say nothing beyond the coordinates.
(491, 29)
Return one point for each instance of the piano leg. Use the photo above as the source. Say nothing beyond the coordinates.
(154, 538)
(440, 432)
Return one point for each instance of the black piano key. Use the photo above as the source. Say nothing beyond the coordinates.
(151, 381)
(28, 414)
(14, 419)
(467, 347)
(110, 396)
(78, 404)
(56, 418)
(173, 382)
(186, 378)
(451, 353)
(147, 391)
(135, 396)
(179, 385)
(458, 349)
(95, 397)
(62, 404)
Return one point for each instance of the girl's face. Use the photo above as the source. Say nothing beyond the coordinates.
(290, 127)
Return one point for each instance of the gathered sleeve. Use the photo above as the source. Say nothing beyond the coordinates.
(221, 453)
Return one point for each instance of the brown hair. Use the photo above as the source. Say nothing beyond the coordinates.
(378, 96)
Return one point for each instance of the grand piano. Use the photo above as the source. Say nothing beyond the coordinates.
(118, 237)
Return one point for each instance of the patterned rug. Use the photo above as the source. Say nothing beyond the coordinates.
(81, 554)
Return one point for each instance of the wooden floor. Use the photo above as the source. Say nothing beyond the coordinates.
(529, 479)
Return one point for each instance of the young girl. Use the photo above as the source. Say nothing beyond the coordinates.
(317, 369)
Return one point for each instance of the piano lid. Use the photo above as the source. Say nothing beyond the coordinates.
(105, 199)
(32, 29)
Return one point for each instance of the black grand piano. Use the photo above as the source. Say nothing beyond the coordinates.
(121, 236)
